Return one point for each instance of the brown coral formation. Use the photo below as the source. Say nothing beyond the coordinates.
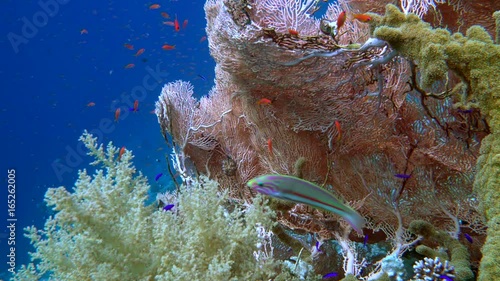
(365, 132)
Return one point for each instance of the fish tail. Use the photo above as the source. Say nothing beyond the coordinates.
(355, 220)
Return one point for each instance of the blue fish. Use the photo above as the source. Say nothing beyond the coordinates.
(330, 275)
(402, 176)
(468, 237)
(168, 207)
(158, 176)
(202, 77)
(446, 277)
(365, 241)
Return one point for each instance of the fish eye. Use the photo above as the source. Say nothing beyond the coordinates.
(260, 184)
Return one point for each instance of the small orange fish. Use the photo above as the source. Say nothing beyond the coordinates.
(128, 46)
(176, 24)
(122, 150)
(136, 106)
(84, 31)
(167, 47)
(184, 24)
(117, 114)
(165, 15)
(341, 20)
(270, 146)
(264, 101)
(140, 52)
(154, 6)
(130, 65)
(337, 125)
(362, 17)
(203, 38)
(293, 32)
(90, 104)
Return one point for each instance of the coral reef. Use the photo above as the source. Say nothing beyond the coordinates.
(394, 127)
(104, 231)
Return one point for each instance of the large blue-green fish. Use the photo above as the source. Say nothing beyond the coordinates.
(301, 191)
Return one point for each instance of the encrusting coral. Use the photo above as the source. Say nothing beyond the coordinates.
(104, 231)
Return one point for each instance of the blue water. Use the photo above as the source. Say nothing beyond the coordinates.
(50, 72)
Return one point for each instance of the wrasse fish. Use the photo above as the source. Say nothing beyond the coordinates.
(128, 46)
(341, 20)
(293, 32)
(362, 17)
(264, 101)
(176, 24)
(122, 150)
(167, 47)
(117, 114)
(301, 191)
(140, 52)
(154, 6)
(130, 65)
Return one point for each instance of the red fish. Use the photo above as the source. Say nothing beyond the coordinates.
(169, 23)
(203, 38)
(128, 46)
(337, 125)
(270, 146)
(293, 32)
(176, 24)
(122, 150)
(341, 20)
(136, 106)
(130, 65)
(184, 24)
(264, 101)
(139, 52)
(362, 17)
(167, 47)
(84, 31)
(117, 114)
(90, 104)
(165, 15)
(154, 6)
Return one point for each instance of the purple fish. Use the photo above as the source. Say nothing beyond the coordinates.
(446, 277)
(365, 241)
(330, 275)
(158, 176)
(132, 109)
(168, 207)
(467, 236)
(402, 176)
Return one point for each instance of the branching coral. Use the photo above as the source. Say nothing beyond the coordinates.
(104, 231)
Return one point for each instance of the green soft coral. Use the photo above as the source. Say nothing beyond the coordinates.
(104, 231)
(475, 59)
